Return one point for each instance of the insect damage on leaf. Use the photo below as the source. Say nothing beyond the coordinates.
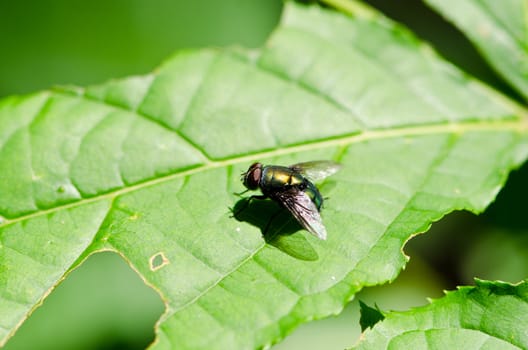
(157, 261)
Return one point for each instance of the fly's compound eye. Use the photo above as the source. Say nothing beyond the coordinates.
(251, 178)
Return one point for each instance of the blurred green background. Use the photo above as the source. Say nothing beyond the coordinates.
(104, 304)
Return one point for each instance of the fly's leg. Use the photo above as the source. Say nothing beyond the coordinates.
(239, 194)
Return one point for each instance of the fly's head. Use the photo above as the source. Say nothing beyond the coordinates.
(251, 178)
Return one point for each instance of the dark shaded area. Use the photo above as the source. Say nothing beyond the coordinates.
(447, 244)
(510, 207)
(444, 245)
(369, 316)
(279, 228)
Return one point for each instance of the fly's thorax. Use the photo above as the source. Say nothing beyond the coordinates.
(275, 178)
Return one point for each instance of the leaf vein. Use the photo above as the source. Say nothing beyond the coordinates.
(146, 117)
(513, 126)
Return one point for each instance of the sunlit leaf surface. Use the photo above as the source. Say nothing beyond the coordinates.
(148, 166)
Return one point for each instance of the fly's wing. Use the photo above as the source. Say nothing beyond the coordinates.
(303, 209)
(316, 170)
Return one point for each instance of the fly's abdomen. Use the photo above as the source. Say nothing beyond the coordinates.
(314, 194)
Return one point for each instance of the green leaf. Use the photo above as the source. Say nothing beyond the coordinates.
(491, 315)
(147, 167)
(369, 316)
(498, 29)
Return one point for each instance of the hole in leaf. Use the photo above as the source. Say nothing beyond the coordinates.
(157, 261)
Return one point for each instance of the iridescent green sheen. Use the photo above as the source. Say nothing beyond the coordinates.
(276, 177)
(314, 194)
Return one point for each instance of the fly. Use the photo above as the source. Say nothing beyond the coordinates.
(292, 187)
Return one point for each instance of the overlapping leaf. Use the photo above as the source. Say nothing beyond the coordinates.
(147, 167)
(499, 30)
(491, 315)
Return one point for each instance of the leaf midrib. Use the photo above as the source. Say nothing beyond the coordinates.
(519, 125)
